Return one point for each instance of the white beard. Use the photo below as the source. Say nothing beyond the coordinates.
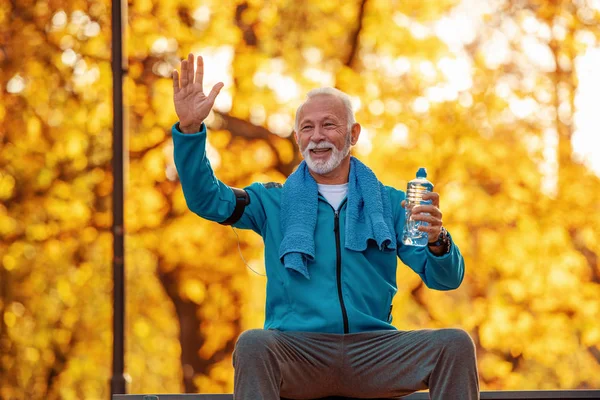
(323, 167)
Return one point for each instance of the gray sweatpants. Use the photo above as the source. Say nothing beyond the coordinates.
(270, 364)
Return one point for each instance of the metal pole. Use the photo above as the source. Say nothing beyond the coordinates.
(119, 160)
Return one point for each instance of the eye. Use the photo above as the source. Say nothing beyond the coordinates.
(328, 124)
(306, 128)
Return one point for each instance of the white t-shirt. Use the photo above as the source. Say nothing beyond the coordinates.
(334, 194)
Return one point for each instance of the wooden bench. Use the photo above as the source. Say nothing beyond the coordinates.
(485, 395)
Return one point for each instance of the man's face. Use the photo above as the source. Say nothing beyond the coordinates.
(323, 135)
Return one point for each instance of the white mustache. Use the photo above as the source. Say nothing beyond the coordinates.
(320, 145)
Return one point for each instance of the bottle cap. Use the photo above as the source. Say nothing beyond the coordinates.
(422, 172)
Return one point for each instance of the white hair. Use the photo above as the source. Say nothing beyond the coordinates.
(330, 91)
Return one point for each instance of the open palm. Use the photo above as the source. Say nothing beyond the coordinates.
(191, 104)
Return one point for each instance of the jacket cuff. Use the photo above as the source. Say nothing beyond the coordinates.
(176, 131)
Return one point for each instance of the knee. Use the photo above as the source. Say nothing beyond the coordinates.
(252, 345)
(458, 343)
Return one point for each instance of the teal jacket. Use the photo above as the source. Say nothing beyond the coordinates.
(348, 291)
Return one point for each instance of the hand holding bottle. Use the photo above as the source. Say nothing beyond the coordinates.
(429, 213)
(423, 218)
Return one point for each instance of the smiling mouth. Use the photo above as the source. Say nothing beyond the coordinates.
(320, 151)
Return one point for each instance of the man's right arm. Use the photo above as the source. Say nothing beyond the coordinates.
(206, 195)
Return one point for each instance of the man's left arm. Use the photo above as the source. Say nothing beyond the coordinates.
(440, 264)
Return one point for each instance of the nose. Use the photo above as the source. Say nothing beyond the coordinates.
(317, 135)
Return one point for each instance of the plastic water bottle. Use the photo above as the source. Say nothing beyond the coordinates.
(415, 190)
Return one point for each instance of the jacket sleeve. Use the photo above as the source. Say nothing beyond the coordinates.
(444, 272)
(206, 195)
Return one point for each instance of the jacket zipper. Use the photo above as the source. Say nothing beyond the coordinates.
(339, 267)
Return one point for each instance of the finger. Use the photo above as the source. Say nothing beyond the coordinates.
(199, 70)
(427, 218)
(175, 76)
(191, 68)
(184, 74)
(427, 209)
(433, 234)
(433, 231)
(434, 197)
(215, 91)
(407, 205)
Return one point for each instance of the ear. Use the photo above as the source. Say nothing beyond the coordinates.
(296, 137)
(355, 132)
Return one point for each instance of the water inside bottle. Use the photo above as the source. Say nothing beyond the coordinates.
(412, 235)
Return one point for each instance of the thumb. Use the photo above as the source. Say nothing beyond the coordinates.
(215, 91)
(403, 204)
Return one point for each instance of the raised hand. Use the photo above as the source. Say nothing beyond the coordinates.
(191, 104)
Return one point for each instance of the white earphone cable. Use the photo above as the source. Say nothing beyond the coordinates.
(241, 255)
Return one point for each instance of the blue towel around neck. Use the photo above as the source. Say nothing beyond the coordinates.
(368, 215)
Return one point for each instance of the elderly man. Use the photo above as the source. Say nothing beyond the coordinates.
(332, 237)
